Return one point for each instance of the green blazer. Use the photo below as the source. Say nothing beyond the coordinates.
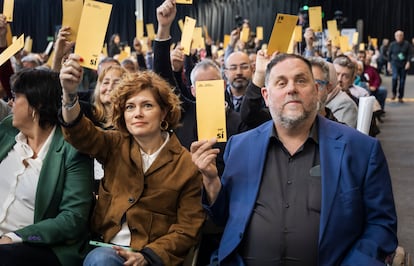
(63, 198)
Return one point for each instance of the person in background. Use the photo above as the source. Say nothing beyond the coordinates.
(383, 58)
(114, 46)
(142, 65)
(399, 55)
(45, 183)
(150, 197)
(288, 204)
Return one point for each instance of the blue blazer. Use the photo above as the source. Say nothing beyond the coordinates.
(358, 223)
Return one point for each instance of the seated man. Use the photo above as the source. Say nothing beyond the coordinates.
(300, 199)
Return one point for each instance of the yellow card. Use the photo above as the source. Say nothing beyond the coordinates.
(244, 35)
(16, 46)
(291, 44)
(336, 40)
(206, 35)
(226, 40)
(362, 46)
(298, 33)
(188, 2)
(187, 34)
(344, 43)
(72, 10)
(150, 31)
(123, 55)
(281, 33)
(8, 6)
(92, 29)
(355, 38)
(127, 50)
(198, 40)
(181, 24)
(9, 35)
(28, 43)
(211, 117)
(259, 32)
(374, 42)
(50, 60)
(220, 53)
(144, 43)
(332, 29)
(139, 29)
(315, 18)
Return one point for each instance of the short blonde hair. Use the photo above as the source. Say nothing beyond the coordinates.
(164, 95)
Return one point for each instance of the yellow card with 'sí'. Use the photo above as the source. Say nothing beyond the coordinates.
(72, 11)
(91, 34)
(282, 33)
(188, 2)
(315, 18)
(16, 46)
(187, 35)
(8, 6)
(210, 109)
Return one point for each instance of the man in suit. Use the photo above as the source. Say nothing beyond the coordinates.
(299, 189)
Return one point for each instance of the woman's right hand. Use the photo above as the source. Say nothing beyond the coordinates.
(71, 74)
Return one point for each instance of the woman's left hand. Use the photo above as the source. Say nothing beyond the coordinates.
(5, 240)
(131, 258)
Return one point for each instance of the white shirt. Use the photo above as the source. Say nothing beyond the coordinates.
(18, 185)
(123, 237)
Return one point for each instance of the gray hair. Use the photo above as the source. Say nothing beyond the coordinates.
(204, 64)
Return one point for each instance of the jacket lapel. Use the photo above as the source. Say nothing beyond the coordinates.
(49, 175)
(331, 153)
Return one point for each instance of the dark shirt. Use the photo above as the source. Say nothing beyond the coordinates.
(399, 53)
(284, 227)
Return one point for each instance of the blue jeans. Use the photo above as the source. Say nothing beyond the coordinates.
(103, 256)
(381, 95)
(401, 73)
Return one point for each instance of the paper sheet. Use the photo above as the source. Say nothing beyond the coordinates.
(92, 30)
(211, 116)
(365, 110)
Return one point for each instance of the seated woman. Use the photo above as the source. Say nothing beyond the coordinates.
(45, 184)
(150, 197)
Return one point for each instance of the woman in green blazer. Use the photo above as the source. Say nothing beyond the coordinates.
(45, 184)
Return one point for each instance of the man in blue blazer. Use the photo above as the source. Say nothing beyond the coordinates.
(300, 189)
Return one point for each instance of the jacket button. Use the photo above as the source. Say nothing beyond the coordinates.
(131, 200)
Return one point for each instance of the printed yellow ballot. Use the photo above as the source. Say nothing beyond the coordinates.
(198, 40)
(355, 37)
(226, 40)
(259, 32)
(72, 10)
(344, 43)
(282, 33)
(244, 35)
(188, 2)
(298, 33)
(315, 18)
(211, 117)
(16, 46)
(8, 6)
(187, 35)
(139, 29)
(91, 33)
(332, 29)
(150, 31)
(181, 24)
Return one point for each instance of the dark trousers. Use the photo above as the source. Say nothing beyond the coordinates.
(398, 73)
(19, 254)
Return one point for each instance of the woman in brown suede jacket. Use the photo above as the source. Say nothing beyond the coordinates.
(150, 196)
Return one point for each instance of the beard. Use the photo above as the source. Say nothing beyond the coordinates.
(240, 83)
(290, 121)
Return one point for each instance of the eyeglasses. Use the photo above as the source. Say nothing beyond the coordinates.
(321, 83)
(242, 67)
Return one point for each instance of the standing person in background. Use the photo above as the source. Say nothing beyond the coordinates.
(382, 61)
(399, 62)
(45, 183)
(114, 46)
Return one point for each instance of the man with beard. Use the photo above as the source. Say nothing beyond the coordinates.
(289, 184)
(238, 72)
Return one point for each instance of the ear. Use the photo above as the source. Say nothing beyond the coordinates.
(265, 95)
(193, 90)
